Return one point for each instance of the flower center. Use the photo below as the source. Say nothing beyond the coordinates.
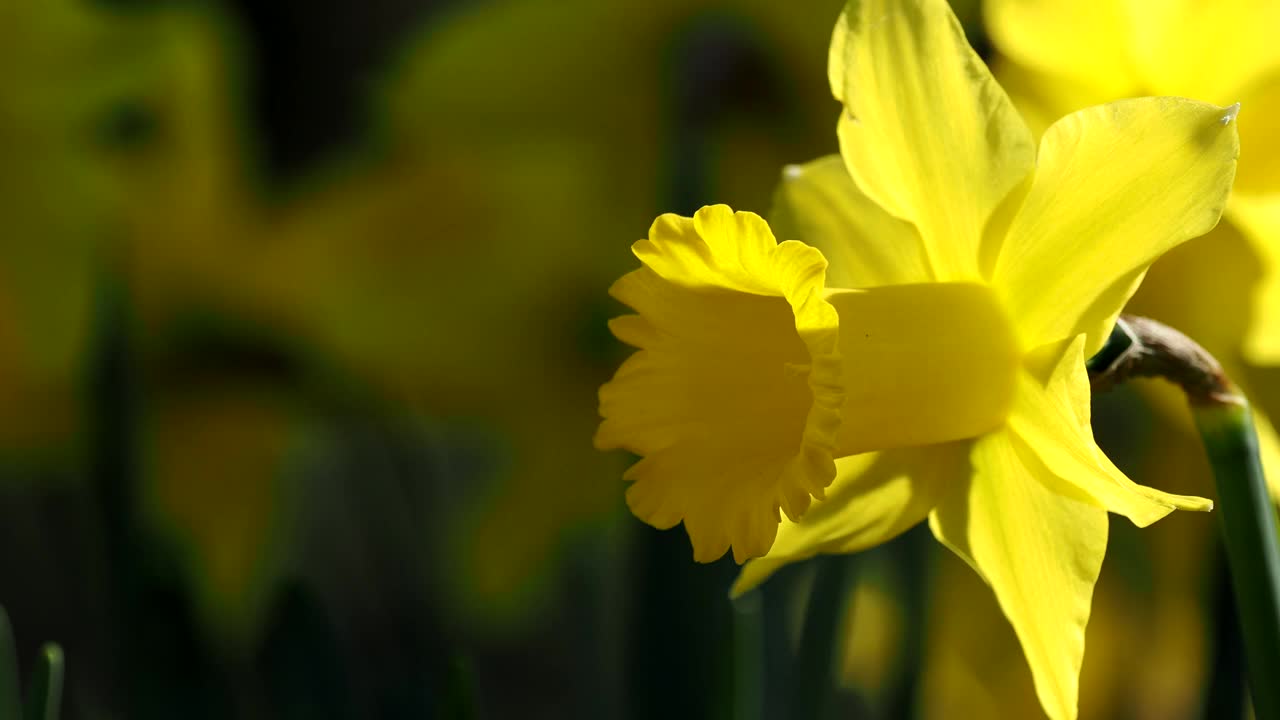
(922, 364)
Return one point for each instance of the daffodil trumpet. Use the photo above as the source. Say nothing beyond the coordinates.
(914, 349)
(1140, 347)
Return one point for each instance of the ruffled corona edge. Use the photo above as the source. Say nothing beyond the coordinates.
(733, 399)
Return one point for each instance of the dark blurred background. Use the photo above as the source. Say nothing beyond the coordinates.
(302, 314)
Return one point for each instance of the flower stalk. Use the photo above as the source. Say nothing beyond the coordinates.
(44, 699)
(44, 694)
(748, 660)
(1225, 423)
(10, 695)
(815, 672)
(1249, 530)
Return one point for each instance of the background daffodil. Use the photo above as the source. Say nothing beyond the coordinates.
(1002, 265)
(63, 66)
(331, 272)
(304, 368)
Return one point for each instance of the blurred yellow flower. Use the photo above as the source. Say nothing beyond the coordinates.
(986, 272)
(63, 67)
(392, 268)
(220, 486)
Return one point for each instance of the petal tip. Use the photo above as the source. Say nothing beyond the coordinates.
(1229, 114)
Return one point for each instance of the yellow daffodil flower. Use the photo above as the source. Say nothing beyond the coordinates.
(983, 274)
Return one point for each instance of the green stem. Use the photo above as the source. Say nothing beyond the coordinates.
(10, 695)
(1141, 347)
(1224, 698)
(1253, 545)
(748, 657)
(44, 699)
(814, 673)
(913, 558)
(459, 699)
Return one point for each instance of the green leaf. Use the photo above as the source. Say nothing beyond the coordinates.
(44, 699)
(9, 696)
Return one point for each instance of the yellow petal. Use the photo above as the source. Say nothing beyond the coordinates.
(1115, 186)
(1089, 42)
(926, 133)
(1050, 421)
(819, 204)
(875, 497)
(1259, 218)
(733, 399)
(1040, 547)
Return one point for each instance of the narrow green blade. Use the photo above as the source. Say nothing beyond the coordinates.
(10, 697)
(44, 699)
